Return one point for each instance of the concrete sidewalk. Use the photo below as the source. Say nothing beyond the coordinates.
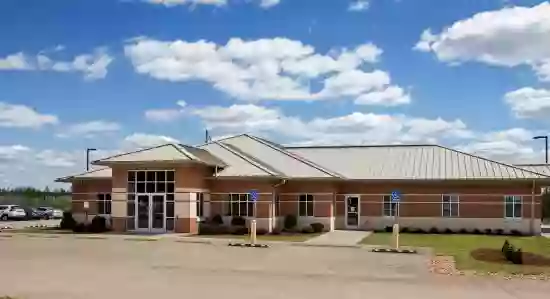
(339, 238)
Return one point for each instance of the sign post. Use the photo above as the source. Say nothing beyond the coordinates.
(254, 198)
(396, 198)
(86, 208)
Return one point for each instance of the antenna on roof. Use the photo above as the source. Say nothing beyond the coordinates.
(207, 137)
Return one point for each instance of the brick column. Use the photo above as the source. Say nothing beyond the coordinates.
(186, 212)
(119, 200)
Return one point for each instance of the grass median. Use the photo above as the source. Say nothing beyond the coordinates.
(478, 252)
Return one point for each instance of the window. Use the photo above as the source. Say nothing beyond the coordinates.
(200, 204)
(449, 206)
(240, 205)
(391, 208)
(159, 181)
(305, 206)
(512, 208)
(104, 204)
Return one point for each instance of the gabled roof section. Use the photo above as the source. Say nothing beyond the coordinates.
(276, 157)
(408, 162)
(100, 173)
(173, 153)
(539, 168)
(238, 164)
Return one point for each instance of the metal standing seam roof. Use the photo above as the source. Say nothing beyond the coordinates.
(406, 162)
(238, 165)
(277, 157)
(164, 153)
(100, 173)
(539, 168)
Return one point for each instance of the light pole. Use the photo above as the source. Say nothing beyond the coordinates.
(88, 150)
(546, 146)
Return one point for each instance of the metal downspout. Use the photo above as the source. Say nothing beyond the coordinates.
(274, 202)
(532, 222)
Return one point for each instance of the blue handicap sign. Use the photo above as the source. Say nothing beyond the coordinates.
(253, 195)
(395, 195)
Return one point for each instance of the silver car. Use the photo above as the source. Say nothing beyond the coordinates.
(12, 212)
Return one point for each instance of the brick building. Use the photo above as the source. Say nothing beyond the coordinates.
(169, 187)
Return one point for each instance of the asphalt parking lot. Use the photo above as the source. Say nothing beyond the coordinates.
(73, 268)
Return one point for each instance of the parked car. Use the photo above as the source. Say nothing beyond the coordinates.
(48, 213)
(57, 214)
(12, 212)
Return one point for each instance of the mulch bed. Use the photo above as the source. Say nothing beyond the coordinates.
(495, 256)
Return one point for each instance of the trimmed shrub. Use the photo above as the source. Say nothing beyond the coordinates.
(67, 222)
(79, 228)
(404, 230)
(499, 231)
(511, 254)
(463, 231)
(290, 222)
(212, 229)
(488, 231)
(240, 230)
(434, 230)
(476, 232)
(317, 227)
(98, 225)
(515, 232)
(238, 221)
(276, 231)
(505, 246)
(307, 230)
(420, 231)
(449, 231)
(261, 231)
(388, 229)
(217, 219)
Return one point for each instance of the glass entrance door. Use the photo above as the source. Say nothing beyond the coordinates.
(142, 212)
(157, 212)
(352, 211)
(150, 211)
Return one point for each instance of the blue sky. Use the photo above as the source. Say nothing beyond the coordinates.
(110, 75)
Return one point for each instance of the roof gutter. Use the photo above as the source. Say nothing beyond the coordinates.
(282, 182)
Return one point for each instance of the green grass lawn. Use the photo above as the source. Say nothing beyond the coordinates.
(281, 237)
(461, 246)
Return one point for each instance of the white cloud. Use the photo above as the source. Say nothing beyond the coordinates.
(269, 3)
(165, 115)
(263, 69)
(528, 102)
(515, 146)
(12, 152)
(359, 5)
(391, 96)
(141, 140)
(508, 37)
(169, 3)
(15, 61)
(90, 129)
(188, 2)
(92, 66)
(355, 127)
(20, 116)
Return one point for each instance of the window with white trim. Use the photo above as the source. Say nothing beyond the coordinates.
(512, 206)
(450, 205)
(305, 205)
(200, 204)
(391, 208)
(104, 204)
(240, 205)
